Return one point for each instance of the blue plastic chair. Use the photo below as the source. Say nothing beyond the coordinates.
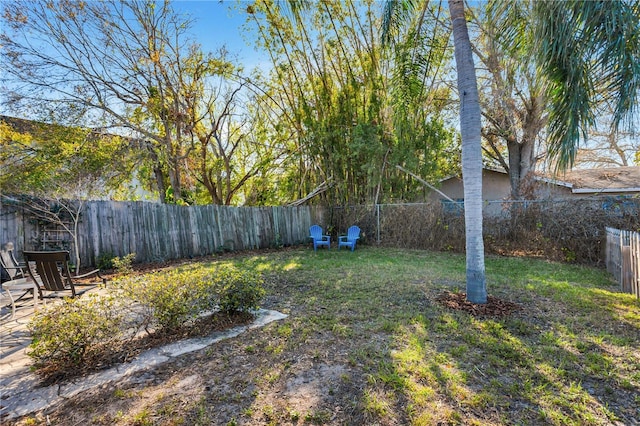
(318, 238)
(349, 240)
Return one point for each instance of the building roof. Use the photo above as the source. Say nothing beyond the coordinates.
(484, 170)
(613, 179)
(588, 181)
(21, 125)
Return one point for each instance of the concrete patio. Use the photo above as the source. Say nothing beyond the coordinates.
(14, 337)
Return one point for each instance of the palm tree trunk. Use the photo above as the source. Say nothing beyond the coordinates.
(470, 128)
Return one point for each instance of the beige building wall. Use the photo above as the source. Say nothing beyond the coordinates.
(495, 186)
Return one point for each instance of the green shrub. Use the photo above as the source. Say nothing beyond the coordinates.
(122, 265)
(169, 299)
(65, 335)
(239, 291)
(70, 334)
(105, 261)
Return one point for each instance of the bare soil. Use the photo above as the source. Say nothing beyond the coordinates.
(221, 385)
(495, 307)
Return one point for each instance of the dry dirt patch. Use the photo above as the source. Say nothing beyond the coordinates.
(494, 307)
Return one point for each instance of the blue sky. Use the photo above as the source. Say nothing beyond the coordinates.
(216, 24)
(220, 23)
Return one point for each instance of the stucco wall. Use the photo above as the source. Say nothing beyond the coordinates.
(495, 186)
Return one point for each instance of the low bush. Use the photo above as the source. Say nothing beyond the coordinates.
(80, 330)
(122, 265)
(239, 291)
(170, 299)
(105, 261)
(66, 334)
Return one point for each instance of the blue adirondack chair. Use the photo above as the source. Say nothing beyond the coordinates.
(349, 240)
(318, 238)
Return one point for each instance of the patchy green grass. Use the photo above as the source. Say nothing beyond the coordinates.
(366, 342)
(570, 356)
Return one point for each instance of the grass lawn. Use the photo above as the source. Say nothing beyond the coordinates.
(366, 342)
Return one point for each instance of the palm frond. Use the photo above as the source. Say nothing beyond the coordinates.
(589, 51)
(396, 14)
(509, 23)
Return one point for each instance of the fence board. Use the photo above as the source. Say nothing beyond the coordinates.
(634, 248)
(623, 259)
(12, 224)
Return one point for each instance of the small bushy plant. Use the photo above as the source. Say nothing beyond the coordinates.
(65, 334)
(69, 334)
(105, 261)
(172, 298)
(122, 265)
(240, 291)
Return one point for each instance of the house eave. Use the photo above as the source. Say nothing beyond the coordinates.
(554, 182)
(601, 190)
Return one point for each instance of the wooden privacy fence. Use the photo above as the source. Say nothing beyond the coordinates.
(157, 232)
(623, 259)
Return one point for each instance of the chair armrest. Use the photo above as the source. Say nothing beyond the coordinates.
(342, 238)
(15, 268)
(20, 271)
(94, 272)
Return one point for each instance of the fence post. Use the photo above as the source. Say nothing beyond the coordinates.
(635, 263)
(378, 222)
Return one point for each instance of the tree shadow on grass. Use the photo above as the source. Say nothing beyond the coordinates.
(524, 365)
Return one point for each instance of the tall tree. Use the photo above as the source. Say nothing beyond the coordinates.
(119, 61)
(70, 161)
(50, 170)
(588, 51)
(235, 143)
(470, 127)
(579, 46)
(607, 147)
(334, 81)
(132, 65)
(579, 55)
(421, 54)
(88, 54)
(470, 124)
(512, 95)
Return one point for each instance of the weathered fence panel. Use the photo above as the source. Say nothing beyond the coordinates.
(560, 230)
(157, 232)
(12, 226)
(623, 259)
